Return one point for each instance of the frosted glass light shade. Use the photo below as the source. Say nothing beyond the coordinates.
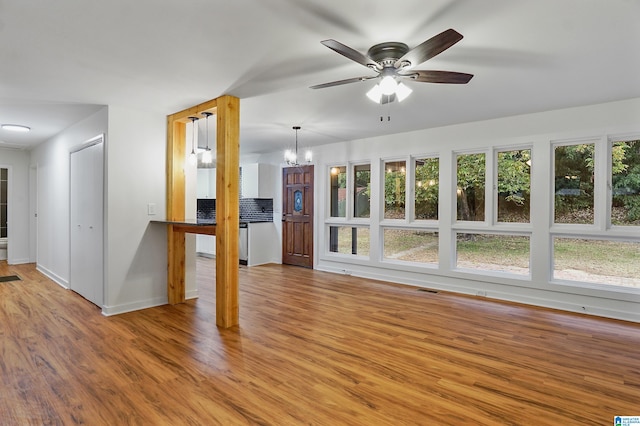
(375, 94)
(388, 85)
(402, 91)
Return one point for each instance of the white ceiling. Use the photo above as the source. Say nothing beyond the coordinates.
(60, 60)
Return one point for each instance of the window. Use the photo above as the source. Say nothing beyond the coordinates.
(361, 190)
(411, 245)
(4, 193)
(426, 188)
(514, 185)
(338, 178)
(394, 189)
(493, 252)
(349, 240)
(596, 261)
(574, 183)
(625, 183)
(470, 181)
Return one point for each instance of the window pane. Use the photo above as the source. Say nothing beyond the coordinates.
(3, 220)
(349, 240)
(514, 185)
(362, 190)
(625, 182)
(470, 174)
(411, 245)
(492, 252)
(426, 188)
(597, 261)
(394, 189)
(574, 178)
(338, 177)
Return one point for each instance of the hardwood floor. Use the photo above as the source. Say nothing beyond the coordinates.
(312, 348)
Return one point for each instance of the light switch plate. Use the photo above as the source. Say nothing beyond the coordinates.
(151, 209)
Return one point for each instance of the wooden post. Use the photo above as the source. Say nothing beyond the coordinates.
(227, 110)
(227, 210)
(176, 271)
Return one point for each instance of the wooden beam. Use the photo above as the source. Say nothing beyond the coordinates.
(197, 110)
(176, 143)
(227, 210)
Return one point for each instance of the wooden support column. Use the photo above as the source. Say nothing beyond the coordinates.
(227, 210)
(176, 156)
(175, 278)
(227, 111)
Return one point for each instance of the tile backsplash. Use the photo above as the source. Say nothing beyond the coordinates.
(251, 209)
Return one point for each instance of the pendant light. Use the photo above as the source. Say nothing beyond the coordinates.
(193, 157)
(291, 157)
(207, 156)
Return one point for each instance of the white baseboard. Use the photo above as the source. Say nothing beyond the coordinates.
(134, 306)
(53, 277)
(18, 261)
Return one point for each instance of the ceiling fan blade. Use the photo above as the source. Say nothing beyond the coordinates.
(449, 77)
(350, 53)
(430, 48)
(341, 82)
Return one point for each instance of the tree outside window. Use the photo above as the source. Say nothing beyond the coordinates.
(426, 188)
(362, 190)
(338, 178)
(470, 180)
(514, 185)
(394, 189)
(625, 183)
(574, 183)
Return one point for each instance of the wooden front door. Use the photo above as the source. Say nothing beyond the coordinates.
(297, 216)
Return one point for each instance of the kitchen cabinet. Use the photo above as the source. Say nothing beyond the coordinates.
(257, 180)
(262, 238)
(206, 187)
(206, 245)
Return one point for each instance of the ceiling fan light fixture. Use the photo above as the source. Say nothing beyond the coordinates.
(402, 91)
(388, 85)
(375, 94)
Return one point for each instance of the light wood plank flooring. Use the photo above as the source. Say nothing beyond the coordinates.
(314, 349)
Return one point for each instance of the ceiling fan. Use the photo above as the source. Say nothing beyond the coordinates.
(393, 62)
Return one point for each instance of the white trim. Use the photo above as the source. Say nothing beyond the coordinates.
(53, 276)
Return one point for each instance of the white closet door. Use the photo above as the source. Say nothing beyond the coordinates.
(86, 227)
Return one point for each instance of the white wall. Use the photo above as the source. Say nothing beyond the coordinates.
(538, 130)
(18, 163)
(136, 268)
(51, 159)
(135, 252)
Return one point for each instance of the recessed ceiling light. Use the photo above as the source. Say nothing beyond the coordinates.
(15, 128)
